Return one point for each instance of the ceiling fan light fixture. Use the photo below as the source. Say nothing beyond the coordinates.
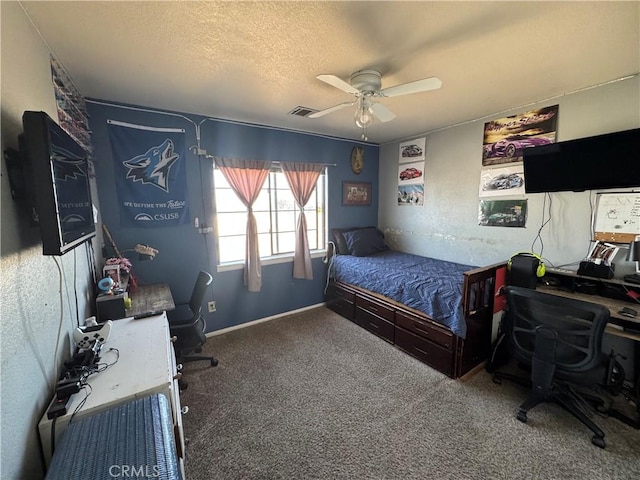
(364, 118)
(364, 114)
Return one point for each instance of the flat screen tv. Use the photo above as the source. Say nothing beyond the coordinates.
(58, 184)
(605, 161)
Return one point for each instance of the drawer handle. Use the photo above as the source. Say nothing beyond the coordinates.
(372, 308)
(374, 325)
(426, 354)
(418, 327)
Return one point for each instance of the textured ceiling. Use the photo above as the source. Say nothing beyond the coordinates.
(256, 61)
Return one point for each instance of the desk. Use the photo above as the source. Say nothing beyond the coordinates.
(151, 299)
(618, 325)
(143, 365)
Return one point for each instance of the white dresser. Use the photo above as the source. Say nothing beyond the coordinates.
(146, 365)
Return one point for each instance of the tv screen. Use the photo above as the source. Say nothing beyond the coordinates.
(594, 163)
(58, 180)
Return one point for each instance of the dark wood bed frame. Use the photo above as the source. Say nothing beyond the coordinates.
(415, 332)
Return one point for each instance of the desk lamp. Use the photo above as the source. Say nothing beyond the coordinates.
(634, 256)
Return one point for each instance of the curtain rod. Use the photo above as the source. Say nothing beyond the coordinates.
(278, 162)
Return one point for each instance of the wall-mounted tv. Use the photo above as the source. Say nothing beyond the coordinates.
(58, 184)
(605, 161)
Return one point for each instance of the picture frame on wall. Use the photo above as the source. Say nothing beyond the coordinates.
(356, 193)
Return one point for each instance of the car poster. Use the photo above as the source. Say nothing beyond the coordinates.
(413, 150)
(411, 183)
(506, 138)
(503, 213)
(502, 181)
(411, 173)
(410, 195)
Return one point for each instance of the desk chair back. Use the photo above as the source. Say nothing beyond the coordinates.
(577, 327)
(199, 291)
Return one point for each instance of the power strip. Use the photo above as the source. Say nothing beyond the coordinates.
(58, 408)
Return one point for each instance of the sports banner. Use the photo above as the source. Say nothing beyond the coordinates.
(150, 174)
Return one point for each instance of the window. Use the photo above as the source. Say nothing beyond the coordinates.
(276, 214)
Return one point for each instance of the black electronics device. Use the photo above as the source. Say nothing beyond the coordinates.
(524, 269)
(58, 407)
(634, 278)
(591, 269)
(57, 183)
(599, 162)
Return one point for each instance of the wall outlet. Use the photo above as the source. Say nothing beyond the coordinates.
(212, 306)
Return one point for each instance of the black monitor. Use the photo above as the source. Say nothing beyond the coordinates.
(58, 182)
(601, 162)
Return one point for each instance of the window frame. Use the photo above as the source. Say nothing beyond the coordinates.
(271, 186)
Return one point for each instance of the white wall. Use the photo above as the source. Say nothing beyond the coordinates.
(446, 226)
(33, 306)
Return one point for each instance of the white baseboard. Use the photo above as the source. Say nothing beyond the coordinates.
(261, 320)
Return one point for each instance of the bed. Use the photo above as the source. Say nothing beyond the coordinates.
(437, 311)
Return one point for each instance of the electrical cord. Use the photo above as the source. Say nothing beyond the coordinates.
(538, 237)
(53, 434)
(330, 262)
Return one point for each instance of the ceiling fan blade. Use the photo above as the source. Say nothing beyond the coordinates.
(431, 83)
(382, 113)
(335, 108)
(338, 83)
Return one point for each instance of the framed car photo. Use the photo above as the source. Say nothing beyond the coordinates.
(356, 193)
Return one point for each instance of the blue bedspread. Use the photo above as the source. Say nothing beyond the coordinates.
(426, 284)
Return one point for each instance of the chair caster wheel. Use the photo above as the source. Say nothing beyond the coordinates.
(182, 385)
(214, 362)
(598, 441)
(522, 416)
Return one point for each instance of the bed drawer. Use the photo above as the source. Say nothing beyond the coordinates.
(428, 352)
(425, 329)
(375, 324)
(341, 301)
(375, 307)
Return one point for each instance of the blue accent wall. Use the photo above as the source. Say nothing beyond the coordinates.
(184, 251)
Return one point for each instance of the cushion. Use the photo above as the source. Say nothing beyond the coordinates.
(364, 242)
(340, 242)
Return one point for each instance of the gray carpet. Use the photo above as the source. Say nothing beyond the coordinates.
(314, 396)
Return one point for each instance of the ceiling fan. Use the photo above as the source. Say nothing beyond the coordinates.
(365, 85)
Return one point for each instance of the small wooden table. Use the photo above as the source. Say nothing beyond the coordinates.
(151, 300)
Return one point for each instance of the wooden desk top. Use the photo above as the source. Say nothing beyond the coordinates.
(148, 299)
(614, 306)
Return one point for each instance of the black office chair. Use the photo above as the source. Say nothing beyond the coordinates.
(187, 324)
(559, 341)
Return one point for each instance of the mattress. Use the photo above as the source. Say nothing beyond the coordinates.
(431, 286)
(131, 440)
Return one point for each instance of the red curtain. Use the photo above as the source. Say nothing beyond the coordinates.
(302, 178)
(246, 178)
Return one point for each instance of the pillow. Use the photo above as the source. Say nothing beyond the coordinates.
(364, 242)
(340, 242)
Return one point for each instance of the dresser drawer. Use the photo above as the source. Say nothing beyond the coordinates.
(375, 324)
(375, 307)
(425, 329)
(426, 351)
(341, 301)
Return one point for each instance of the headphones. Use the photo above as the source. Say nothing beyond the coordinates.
(540, 271)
